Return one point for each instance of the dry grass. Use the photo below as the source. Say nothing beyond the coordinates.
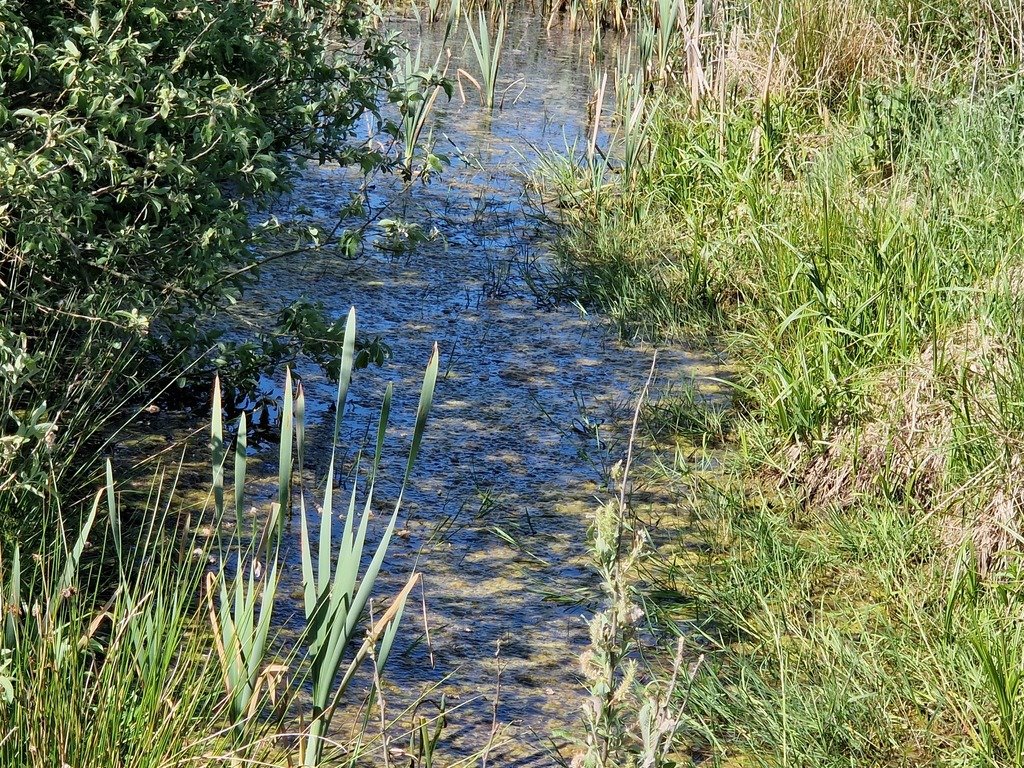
(838, 43)
(903, 449)
(807, 47)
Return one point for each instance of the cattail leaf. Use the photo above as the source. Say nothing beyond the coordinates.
(300, 427)
(284, 476)
(217, 450)
(240, 467)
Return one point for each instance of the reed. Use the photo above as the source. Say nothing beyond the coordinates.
(433, 10)
(636, 111)
(129, 671)
(667, 23)
(487, 44)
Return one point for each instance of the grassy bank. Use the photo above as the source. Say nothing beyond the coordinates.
(831, 192)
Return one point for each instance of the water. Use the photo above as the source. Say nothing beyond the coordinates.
(528, 411)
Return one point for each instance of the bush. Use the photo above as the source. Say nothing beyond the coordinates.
(138, 143)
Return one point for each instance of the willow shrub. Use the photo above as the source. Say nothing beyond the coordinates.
(139, 143)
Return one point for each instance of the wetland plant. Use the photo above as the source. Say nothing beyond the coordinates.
(416, 95)
(118, 663)
(613, 14)
(487, 46)
(627, 719)
(433, 10)
(635, 116)
(334, 597)
(667, 26)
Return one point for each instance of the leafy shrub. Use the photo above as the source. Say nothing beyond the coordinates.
(138, 144)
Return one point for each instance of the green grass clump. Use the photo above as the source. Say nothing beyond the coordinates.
(685, 412)
(849, 639)
(845, 220)
(147, 639)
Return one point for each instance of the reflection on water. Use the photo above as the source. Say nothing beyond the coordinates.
(524, 420)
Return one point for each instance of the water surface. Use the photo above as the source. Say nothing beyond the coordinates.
(527, 415)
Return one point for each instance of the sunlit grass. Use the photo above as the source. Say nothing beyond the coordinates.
(841, 213)
(149, 637)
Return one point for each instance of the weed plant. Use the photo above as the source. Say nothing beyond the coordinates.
(631, 717)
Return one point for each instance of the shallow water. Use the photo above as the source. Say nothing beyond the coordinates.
(527, 415)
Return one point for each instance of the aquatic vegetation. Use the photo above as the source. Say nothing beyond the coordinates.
(88, 671)
(418, 91)
(635, 124)
(614, 14)
(684, 411)
(666, 23)
(433, 10)
(334, 596)
(487, 47)
(629, 718)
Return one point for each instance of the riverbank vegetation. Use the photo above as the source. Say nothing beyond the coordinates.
(141, 146)
(831, 193)
(176, 656)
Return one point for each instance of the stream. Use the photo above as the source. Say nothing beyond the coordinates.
(528, 412)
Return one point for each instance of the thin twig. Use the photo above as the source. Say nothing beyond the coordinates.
(494, 712)
(426, 624)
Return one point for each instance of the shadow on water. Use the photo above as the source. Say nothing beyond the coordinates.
(527, 413)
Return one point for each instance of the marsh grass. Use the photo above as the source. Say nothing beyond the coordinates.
(846, 639)
(147, 638)
(683, 411)
(842, 213)
(487, 42)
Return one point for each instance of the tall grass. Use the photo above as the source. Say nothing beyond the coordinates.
(840, 213)
(99, 678)
(166, 651)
